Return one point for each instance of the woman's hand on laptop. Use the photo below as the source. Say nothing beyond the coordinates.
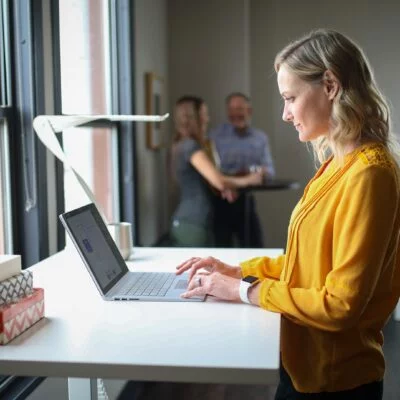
(215, 284)
(209, 264)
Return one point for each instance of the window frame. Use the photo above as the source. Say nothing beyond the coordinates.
(31, 229)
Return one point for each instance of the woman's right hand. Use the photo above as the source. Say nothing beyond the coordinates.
(210, 264)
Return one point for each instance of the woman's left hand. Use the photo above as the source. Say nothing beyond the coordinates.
(215, 284)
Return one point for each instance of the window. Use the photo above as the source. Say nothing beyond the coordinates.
(32, 41)
(86, 89)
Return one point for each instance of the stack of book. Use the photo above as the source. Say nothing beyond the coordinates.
(21, 305)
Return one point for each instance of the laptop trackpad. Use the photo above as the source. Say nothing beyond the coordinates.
(181, 284)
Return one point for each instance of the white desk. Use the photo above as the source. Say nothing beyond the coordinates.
(85, 336)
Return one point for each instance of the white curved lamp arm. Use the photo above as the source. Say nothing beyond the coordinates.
(46, 126)
(61, 122)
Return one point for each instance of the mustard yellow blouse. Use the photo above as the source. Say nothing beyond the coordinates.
(339, 280)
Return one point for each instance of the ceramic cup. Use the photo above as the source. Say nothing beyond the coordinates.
(121, 232)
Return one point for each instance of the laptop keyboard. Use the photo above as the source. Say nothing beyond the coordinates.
(149, 284)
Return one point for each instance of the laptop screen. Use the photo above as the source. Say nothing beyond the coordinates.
(95, 245)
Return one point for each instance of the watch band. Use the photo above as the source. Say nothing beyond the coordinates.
(243, 291)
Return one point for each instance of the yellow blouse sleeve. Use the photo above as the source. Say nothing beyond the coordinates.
(362, 233)
(263, 267)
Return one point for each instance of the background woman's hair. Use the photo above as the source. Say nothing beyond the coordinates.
(187, 124)
(360, 112)
(187, 117)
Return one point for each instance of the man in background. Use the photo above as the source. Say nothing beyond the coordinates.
(241, 149)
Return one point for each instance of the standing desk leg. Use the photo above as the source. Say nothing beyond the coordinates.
(82, 389)
(397, 312)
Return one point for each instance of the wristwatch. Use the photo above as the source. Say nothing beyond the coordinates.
(245, 284)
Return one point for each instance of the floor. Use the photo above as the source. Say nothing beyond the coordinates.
(173, 391)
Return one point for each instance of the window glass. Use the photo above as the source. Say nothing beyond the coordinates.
(5, 192)
(86, 89)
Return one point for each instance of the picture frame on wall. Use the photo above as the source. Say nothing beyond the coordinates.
(154, 106)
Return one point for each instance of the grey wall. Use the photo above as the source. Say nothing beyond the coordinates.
(219, 46)
(208, 50)
(151, 56)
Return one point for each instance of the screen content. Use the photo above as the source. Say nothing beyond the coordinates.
(92, 243)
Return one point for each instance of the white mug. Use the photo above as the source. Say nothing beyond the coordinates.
(121, 232)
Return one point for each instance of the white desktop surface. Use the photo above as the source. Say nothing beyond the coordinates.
(83, 335)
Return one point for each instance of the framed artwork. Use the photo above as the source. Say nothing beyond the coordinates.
(154, 106)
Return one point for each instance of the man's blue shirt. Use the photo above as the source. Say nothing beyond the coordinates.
(240, 150)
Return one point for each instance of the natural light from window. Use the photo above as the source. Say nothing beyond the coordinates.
(86, 88)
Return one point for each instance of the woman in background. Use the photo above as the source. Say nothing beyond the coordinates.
(195, 173)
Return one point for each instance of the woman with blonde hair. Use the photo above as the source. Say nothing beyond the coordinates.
(339, 281)
(192, 222)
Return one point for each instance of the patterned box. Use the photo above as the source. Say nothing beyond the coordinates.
(16, 287)
(18, 317)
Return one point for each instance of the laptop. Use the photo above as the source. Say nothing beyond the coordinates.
(108, 269)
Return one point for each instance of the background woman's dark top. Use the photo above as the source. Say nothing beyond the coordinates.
(193, 217)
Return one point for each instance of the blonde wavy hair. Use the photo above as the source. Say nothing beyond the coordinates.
(360, 113)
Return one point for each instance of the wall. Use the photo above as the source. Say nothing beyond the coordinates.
(374, 25)
(208, 51)
(151, 56)
(217, 47)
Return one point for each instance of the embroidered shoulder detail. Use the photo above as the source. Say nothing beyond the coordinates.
(376, 155)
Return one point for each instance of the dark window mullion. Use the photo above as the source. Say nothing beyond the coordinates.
(39, 108)
(59, 167)
(122, 40)
(32, 183)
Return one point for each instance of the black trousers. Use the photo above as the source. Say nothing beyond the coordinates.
(286, 391)
(230, 221)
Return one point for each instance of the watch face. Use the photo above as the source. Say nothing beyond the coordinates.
(250, 279)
